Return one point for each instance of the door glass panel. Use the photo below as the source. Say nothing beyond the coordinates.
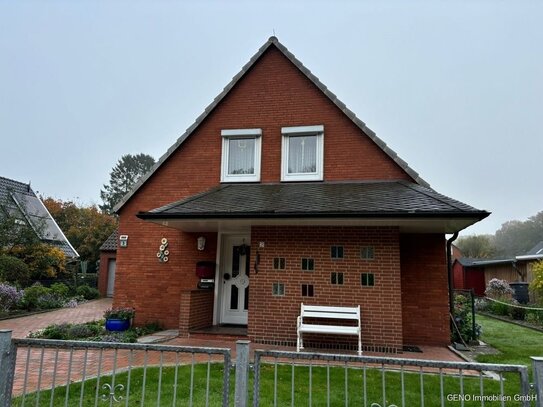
(248, 261)
(234, 297)
(246, 299)
(235, 261)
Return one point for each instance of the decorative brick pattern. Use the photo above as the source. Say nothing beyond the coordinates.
(274, 318)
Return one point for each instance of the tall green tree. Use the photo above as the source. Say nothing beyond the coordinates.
(128, 170)
(86, 227)
(477, 246)
(516, 237)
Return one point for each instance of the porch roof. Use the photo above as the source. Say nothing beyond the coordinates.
(392, 203)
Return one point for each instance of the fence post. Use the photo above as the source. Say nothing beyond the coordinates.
(7, 367)
(537, 363)
(242, 374)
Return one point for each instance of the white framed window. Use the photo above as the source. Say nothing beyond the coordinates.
(241, 152)
(302, 153)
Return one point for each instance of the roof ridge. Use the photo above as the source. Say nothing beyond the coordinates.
(323, 88)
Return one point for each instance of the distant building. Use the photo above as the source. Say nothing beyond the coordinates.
(19, 200)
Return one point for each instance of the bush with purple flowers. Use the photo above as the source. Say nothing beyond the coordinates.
(10, 296)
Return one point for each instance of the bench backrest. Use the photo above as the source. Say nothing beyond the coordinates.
(316, 311)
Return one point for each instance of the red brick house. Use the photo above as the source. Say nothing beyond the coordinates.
(298, 201)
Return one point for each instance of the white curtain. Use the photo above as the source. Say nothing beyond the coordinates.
(241, 156)
(302, 154)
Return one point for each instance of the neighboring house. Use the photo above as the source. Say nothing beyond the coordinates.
(108, 260)
(19, 200)
(282, 195)
(476, 273)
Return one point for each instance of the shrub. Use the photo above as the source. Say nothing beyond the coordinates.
(518, 313)
(537, 283)
(60, 289)
(10, 296)
(55, 331)
(499, 289)
(14, 270)
(89, 293)
(498, 308)
(534, 317)
(119, 313)
(464, 320)
(32, 294)
(49, 300)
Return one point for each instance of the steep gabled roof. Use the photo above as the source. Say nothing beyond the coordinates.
(19, 200)
(273, 41)
(110, 244)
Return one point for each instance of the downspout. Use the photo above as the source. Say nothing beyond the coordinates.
(449, 271)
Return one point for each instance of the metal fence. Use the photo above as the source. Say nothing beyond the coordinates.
(325, 380)
(69, 373)
(39, 372)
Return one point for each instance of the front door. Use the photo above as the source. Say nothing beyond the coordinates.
(110, 277)
(235, 271)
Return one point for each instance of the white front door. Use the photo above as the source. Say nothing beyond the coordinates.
(110, 277)
(234, 277)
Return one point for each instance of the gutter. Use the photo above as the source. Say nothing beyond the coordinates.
(449, 271)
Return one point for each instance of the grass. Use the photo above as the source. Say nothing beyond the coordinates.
(515, 343)
(357, 393)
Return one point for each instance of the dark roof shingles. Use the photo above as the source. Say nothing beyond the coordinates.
(318, 199)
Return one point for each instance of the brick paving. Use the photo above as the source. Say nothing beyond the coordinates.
(89, 311)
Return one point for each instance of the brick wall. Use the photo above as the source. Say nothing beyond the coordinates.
(272, 94)
(199, 303)
(273, 319)
(424, 289)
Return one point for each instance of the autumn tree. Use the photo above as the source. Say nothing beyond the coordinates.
(86, 227)
(128, 170)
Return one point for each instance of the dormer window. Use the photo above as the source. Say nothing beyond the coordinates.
(302, 153)
(241, 155)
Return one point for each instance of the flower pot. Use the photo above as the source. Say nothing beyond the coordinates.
(117, 325)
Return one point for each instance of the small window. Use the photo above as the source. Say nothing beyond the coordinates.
(307, 290)
(367, 253)
(279, 263)
(308, 264)
(302, 153)
(241, 155)
(278, 289)
(367, 279)
(336, 278)
(336, 252)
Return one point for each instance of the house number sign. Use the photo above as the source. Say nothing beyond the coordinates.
(163, 251)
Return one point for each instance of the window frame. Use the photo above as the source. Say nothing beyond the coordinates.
(286, 133)
(237, 134)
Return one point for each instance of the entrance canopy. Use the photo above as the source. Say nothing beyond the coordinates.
(411, 207)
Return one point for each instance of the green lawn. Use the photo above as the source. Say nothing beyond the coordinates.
(357, 393)
(515, 343)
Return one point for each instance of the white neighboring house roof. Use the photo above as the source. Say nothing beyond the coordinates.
(333, 98)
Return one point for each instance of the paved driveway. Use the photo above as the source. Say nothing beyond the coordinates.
(89, 311)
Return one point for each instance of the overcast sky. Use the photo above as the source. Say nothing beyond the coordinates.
(455, 88)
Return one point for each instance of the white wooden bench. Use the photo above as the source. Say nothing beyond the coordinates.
(336, 313)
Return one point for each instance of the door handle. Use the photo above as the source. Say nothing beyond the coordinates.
(226, 276)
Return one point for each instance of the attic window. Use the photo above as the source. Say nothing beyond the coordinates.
(241, 155)
(302, 152)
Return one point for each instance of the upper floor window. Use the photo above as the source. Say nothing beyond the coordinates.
(241, 155)
(302, 153)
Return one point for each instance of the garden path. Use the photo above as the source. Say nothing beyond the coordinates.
(88, 311)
